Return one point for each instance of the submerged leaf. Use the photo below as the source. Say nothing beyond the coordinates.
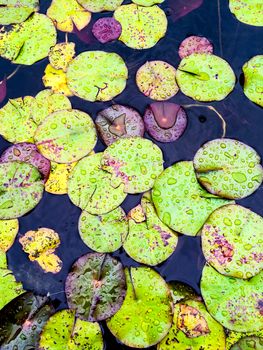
(8, 232)
(181, 8)
(195, 44)
(106, 29)
(56, 79)
(16, 11)
(57, 182)
(253, 73)
(61, 54)
(248, 11)
(100, 5)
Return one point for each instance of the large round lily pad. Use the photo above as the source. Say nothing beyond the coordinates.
(253, 72)
(249, 343)
(149, 241)
(64, 331)
(103, 233)
(95, 286)
(100, 5)
(21, 43)
(97, 75)
(236, 303)
(89, 187)
(247, 11)
(228, 168)
(205, 77)
(134, 162)
(21, 189)
(146, 314)
(142, 27)
(232, 241)
(180, 201)
(66, 136)
(9, 287)
(57, 182)
(8, 232)
(16, 11)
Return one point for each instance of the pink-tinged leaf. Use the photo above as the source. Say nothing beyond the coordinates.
(165, 113)
(106, 29)
(85, 35)
(181, 8)
(3, 89)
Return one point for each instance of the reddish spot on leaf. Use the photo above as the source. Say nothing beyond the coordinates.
(181, 8)
(3, 89)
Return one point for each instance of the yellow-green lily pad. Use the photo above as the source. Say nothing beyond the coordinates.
(100, 5)
(57, 182)
(147, 2)
(16, 11)
(233, 339)
(8, 232)
(248, 11)
(248, 343)
(9, 287)
(253, 73)
(3, 260)
(61, 54)
(56, 80)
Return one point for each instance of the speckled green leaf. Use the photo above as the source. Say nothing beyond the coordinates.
(248, 11)
(8, 232)
(234, 337)
(100, 5)
(180, 292)
(3, 260)
(253, 73)
(249, 343)
(16, 11)
(236, 303)
(9, 287)
(228, 168)
(180, 201)
(61, 54)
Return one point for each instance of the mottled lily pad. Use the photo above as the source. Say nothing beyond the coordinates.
(156, 79)
(146, 314)
(232, 241)
(95, 287)
(16, 11)
(20, 43)
(253, 73)
(21, 189)
(106, 29)
(195, 44)
(247, 11)
(66, 136)
(103, 233)
(205, 77)
(100, 5)
(134, 162)
(64, 331)
(142, 27)
(147, 2)
(180, 201)
(9, 288)
(149, 241)
(61, 54)
(57, 182)
(228, 168)
(119, 121)
(89, 187)
(236, 303)
(249, 343)
(67, 14)
(97, 75)
(56, 80)
(8, 232)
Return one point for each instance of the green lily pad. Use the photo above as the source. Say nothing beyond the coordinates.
(232, 241)
(193, 328)
(134, 162)
(180, 292)
(61, 54)
(146, 314)
(3, 260)
(235, 303)
(8, 232)
(16, 11)
(247, 11)
(253, 72)
(147, 2)
(95, 286)
(142, 27)
(97, 75)
(22, 321)
(149, 241)
(9, 287)
(64, 331)
(89, 187)
(66, 136)
(21, 189)
(21, 43)
(205, 77)
(228, 168)
(100, 5)
(103, 233)
(234, 337)
(181, 203)
(249, 343)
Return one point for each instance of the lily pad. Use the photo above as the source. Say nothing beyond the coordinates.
(56, 79)
(248, 343)
(16, 11)
(119, 121)
(233, 339)
(134, 162)
(247, 11)
(195, 44)
(103, 233)
(181, 292)
(146, 314)
(232, 241)
(3, 260)
(149, 241)
(89, 187)
(66, 136)
(228, 168)
(8, 232)
(61, 54)
(95, 287)
(64, 331)
(57, 182)
(106, 29)
(181, 203)
(9, 288)
(20, 43)
(234, 302)
(21, 189)
(142, 27)
(100, 5)
(253, 72)
(147, 2)
(67, 14)
(205, 77)
(156, 79)
(97, 75)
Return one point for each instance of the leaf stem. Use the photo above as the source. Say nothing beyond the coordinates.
(13, 73)
(66, 38)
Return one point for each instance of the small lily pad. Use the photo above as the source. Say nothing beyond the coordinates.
(8, 232)
(147, 2)
(142, 27)
(106, 29)
(253, 72)
(156, 79)
(97, 75)
(56, 80)
(66, 136)
(195, 44)
(57, 182)
(247, 11)
(180, 201)
(134, 162)
(249, 343)
(205, 77)
(16, 11)
(95, 287)
(103, 233)
(9, 288)
(233, 302)
(228, 168)
(146, 314)
(100, 5)
(61, 54)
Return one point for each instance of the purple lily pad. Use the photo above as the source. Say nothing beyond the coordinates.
(106, 29)
(165, 121)
(27, 153)
(195, 44)
(3, 89)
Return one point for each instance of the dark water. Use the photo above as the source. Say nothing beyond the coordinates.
(245, 122)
